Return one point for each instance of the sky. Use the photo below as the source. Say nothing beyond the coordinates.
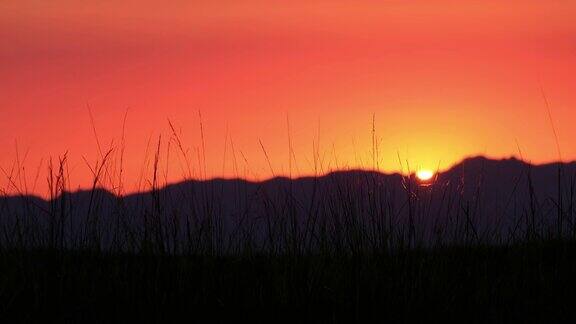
(256, 89)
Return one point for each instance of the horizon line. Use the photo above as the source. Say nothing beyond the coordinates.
(80, 189)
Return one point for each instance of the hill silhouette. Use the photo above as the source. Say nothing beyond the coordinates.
(491, 200)
(485, 241)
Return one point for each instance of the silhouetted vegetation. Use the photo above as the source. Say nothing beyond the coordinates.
(488, 241)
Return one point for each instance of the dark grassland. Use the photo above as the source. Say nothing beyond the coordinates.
(349, 247)
(525, 283)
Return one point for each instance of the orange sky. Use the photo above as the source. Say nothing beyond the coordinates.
(445, 79)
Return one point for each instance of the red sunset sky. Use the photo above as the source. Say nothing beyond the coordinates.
(445, 80)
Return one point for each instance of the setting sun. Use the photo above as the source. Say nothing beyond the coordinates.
(424, 175)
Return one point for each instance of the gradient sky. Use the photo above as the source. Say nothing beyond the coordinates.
(444, 80)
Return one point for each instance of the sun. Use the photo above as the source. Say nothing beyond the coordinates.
(424, 175)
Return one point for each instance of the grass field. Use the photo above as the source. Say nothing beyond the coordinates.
(353, 246)
(523, 283)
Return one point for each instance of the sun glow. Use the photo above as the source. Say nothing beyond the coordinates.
(424, 175)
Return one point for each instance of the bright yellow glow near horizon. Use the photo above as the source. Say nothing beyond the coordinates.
(424, 175)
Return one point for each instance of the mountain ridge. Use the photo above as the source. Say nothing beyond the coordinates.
(505, 196)
(463, 164)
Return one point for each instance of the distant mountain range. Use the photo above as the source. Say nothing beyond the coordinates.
(478, 199)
